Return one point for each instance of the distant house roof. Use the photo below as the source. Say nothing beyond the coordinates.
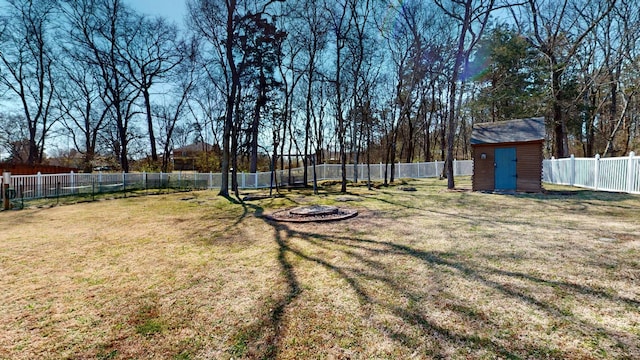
(196, 147)
(511, 131)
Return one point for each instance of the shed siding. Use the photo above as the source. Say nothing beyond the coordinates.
(483, 170)
(528, 167)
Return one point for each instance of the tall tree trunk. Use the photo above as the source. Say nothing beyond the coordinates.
(392, 153)
(307, 129)
(234, 143)
(427, 135)
(122, 135)
(561, 149)
(152, 137)
(341, 126)
(410, 140)
(451, 129)
(443, 137)
(32, 158)
(231, 98)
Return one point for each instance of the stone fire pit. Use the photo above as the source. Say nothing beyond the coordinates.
(313, 213)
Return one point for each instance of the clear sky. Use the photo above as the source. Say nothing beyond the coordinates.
(173, 10)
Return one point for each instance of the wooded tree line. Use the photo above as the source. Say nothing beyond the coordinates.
(348, 81)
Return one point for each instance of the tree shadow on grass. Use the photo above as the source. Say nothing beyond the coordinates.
(261, 339)
(374, 270)
(582, 198)
(370, 269)
(265, 338)
(483, 276)
(237, 220)
(487, 216)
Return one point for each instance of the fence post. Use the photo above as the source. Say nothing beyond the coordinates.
(6, 181)
(244, 180)
(596, 172)
(455, 167)
(72, 182)
(572, 170)
(631, 174)
(39, 184)
(144, 180)
(418, 164)
(210, 180)
(124, 182)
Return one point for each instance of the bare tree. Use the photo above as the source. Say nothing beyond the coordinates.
(101, 30)
(409, 58)
(168, 116)
(362, 72)
(472, 17)
(340, 21)
(12, 138)
(220, 22)
(27, 61)
(617, 38)
(152, 50)
(311, 32)
(83, 109)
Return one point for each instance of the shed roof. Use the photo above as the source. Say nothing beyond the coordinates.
(511, 131)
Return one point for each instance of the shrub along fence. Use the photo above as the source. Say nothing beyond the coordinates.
(620, 174)
(30, 187)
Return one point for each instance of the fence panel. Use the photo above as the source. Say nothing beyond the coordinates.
(618, 174)
(25, 186)
(585, 173)
(557, 171)
(613, 174)
(156, 180)
(31, 187)
(634, 174)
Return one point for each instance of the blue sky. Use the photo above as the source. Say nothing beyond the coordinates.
(174, 10)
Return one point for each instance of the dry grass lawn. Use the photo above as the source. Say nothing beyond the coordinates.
(425, 274)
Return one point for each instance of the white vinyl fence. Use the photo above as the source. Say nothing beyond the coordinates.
(620, 174)
(28, 187)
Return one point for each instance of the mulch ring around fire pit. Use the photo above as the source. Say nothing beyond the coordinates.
(312, 213)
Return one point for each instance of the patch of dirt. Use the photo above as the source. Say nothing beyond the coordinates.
(457, 190)
(348, 198)
(407, 188)
(252, 197)
(560, 193)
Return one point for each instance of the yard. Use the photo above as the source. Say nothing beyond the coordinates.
(425, 274)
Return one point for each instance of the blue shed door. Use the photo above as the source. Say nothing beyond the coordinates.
(505, 169)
